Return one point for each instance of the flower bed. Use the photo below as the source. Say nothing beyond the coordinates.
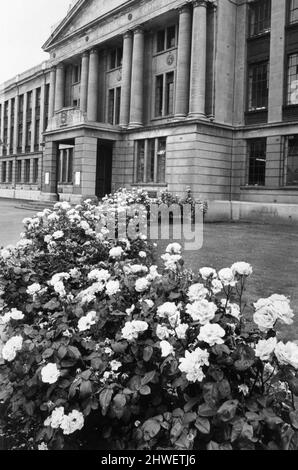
(95, 335)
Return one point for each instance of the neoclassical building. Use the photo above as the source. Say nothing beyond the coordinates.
(161, 94)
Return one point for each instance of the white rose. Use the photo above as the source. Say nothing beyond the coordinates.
(149, 303)
(170, 311)
(265, 316)
(130, 310)
(265, 348)
(72, 422)
(56, 418)
(181, 331)
(115, 365)
(212, 334)
(207, 273)
(216, 286)
(116, 252)
(5, 254)
(192, 364)
(231, 309)
(142, 285)
(86, 322)
(16, 314)
(287, 354)
(202, 311)
(132, 329)
(143, 254)
(166, 349)
(112, 288)
(243, 389)
(171, 261)
(50, 374)
(241, 269)
(162, 332)
(174, 248)
(283, 309)
(226, 276)
(58, 235)
(33, 289)
(99, 275)
(11, 347)
(197, 292)
(48, 238)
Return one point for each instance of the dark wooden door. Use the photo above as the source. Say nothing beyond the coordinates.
(104, 168)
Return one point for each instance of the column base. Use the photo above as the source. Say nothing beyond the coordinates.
(201, 116)
(179, 117)
(135, 125)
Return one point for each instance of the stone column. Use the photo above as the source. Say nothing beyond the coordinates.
(52, 92)
(16, 124)
(42, 112)
(183, 63)
(126, 79)
(84, 82)
(198, 60)
(277, 54)
(8, 128)
(24, 122)
(93, 86)
(59, 90)
(33, 119)
(2, 128)
(137, 79)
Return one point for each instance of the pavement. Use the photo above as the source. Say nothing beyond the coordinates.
(11, 221)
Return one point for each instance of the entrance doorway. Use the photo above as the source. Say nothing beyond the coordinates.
(104, 168)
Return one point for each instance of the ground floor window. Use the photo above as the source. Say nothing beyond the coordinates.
(35, 170)
(150, 160)
(3, 178)
(10, 171)
(65, 165)
(19, 171)
(291, 161)
(257, 162)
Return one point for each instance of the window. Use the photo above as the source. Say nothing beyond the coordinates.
(20, 123)
(257, 162)
(35, 170)
(114, 101)
(19, 171)
(259, 17)
(37, 103)
(164, 95)
(3, 172)
(150, 160)
(28, 136)
(10, 171)
(27, 171)
(292, 91)
(12, 115)
(166, 39)
(46, 107)
(5, 131)
(115, 60)
(65, 165)
(293, 11)
(76, 74)
(291, 161)
(258, 86)
(36, 137)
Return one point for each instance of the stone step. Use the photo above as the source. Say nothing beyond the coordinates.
(35, 206)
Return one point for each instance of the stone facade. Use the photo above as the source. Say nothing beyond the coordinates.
(156, 94)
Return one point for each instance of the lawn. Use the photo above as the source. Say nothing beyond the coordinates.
(271, 250)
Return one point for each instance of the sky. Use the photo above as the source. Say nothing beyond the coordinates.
(25, 25)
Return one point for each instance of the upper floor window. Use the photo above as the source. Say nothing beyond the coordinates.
(114, 100)
(257, 162)
(259, 17)
(115, 58)
(150, 160)
(166, 38)
(258, 86)
(164, 94)
(291, 161)
(76, 74)
(293, 11)
(292, 79)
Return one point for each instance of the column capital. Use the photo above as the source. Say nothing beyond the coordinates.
(139, 29)
(93, 51)
(128, 34)
(60, 65)
(184, 8)
(85, 54)
(204, 3)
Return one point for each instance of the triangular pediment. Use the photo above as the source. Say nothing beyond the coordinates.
(82, 14)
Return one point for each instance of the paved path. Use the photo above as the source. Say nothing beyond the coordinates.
(11, 221)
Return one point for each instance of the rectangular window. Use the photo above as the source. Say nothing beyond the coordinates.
(76, 74)
(115, 59)
(28, 135)
(37, 103)
(10, 171)
(65, 165)
(36, 137)
(114, 102)
(257, 162)
(291, 161)
(166, 39)
(259, 17)
(27, 171)
(150, 160)
(169, 105)
(3, 172)
(5, 131)
(12, 115)
(35, 171)
(19, 171)
(292, 81)
(258, 86)
(293, 11)
(159, 96)
(46, 107)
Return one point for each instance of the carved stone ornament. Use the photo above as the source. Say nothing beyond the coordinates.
(170, 59)
(63, 118)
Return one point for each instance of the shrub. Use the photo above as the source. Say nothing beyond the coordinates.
(112, 353)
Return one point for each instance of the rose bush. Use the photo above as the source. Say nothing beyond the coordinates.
(101, 349)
